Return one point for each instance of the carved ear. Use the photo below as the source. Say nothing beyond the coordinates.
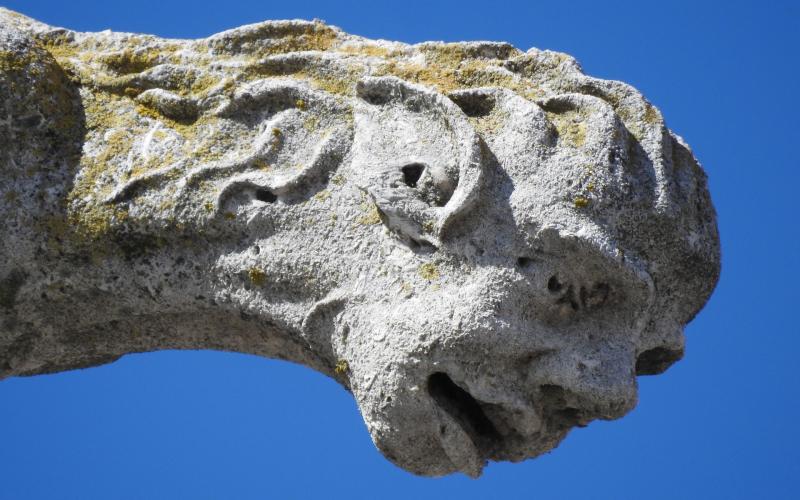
(417, 156)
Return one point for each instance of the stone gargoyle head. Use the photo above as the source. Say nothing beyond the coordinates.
(484, 245)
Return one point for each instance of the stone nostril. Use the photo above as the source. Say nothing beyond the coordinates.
(412, 173)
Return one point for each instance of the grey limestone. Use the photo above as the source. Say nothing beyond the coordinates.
(483, 245)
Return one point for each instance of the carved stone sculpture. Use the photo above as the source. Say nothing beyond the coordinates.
(484, 245)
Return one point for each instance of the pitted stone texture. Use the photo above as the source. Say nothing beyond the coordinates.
(484, 245)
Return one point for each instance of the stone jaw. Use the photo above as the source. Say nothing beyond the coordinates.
(484, 245)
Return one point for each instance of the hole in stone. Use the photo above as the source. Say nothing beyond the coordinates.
(474, 104)
(266, 196)
(553, 284)
(524, 262)
(374, 94)
(412, 173)
(464, 409)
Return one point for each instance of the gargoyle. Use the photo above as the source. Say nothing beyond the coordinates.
(484, 245)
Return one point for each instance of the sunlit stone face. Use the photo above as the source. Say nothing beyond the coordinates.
(539, 329)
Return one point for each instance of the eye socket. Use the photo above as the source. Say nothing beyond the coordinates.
(435, 190)
(412, 173)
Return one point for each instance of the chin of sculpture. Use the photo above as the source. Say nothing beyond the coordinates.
(484, 245)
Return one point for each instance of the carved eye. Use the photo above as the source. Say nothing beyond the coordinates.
(417, 156)
(434, 186)
(412, 173)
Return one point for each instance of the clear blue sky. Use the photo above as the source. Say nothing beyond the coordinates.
(722, 423)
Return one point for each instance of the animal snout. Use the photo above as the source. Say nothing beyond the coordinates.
(572, 390)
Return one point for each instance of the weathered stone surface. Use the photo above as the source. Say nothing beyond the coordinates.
(484, 245)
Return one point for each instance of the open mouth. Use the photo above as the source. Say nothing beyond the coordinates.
(467, 412)
(473, 431)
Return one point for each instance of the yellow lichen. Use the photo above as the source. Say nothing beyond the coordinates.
(257, 276)
(651, 115)
(342, 367)
(571, 127)
(450, 67)
(130, 61)
(365, 50)
(429, 271)
(581, 202)
(261, 164)
(14, 61)
(203, 83)
(322, 195)
(311, 123)
(94, 222)
(373, 216)
(333, 85)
